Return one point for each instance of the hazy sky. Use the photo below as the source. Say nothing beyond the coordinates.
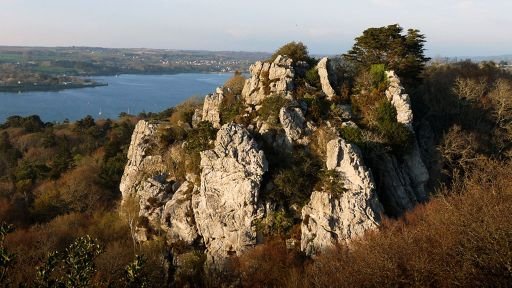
(452, 27)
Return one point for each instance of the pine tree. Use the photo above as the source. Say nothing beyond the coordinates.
(389, 46)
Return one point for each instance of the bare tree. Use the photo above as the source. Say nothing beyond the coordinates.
(470, 89)
(501, 98)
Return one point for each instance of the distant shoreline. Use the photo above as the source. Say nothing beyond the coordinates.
(60, 87)
(43, 87)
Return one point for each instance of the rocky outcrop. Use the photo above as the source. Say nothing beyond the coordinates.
(323, 72)
(144, 176)
(330, 218)
(414, 165)
(396, 192)
(268, 78)
(177, 218)
(211, 108)
(153, 193)
(225, 206)
(293, 122)
(401, 101)
(403, 179)
(275, 137)
(216, 209)
(140, 161)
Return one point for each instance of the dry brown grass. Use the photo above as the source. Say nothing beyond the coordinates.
(270, 265)
(184, 111)
(321, 137)
(462, 238)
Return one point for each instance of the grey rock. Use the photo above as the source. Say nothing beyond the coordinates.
(153, 193)
(396, 191)
(402, 180)
(140, 161)
(292, 119)
(328, 219)
(345, 111)
(401, 101)
(225, 206)
(274, 136)
(211, 108)
(177, 218)
(323, 72)
(269, 78)
(413, 164)
(165, 204)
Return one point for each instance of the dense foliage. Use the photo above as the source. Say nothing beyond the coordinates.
(297, 51)
(389, 46)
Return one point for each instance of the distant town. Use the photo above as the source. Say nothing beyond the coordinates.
(44, 68)
(89, 61)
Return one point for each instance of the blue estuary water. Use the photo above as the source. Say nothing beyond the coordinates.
(125, 93)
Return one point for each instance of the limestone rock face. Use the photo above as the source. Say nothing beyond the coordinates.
(401, 101)
(402, 180)
(177, 218)
(211, 108)
(276, 137)
(396, 191)
(323, 72)
(153, 193)
(414, 165)
(140, 162)
(268, 78)
(165, 204)
(225, 207)
(144, 175)
(293, 122)
(329, 218)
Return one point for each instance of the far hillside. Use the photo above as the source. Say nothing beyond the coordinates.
(90, 61)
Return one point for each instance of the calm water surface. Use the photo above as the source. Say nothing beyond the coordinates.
(126, 93)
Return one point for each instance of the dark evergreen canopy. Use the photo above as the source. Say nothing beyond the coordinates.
(389, 46)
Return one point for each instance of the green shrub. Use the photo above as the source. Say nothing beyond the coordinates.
(31, 123)
(170, 135)
(318, 108)
(190, 269)
(295, 178)
(232, 106)
(313, 78)
(331, 181)
(230, 109)
(370, 87)
(73, 267)
(270, 107)
(377, 74)
(6, 258)
(275, 223)
(352, 135)
(183, 112)
(235, 84)
(396, 134)
(297, 51)
(199, 138)
(135, 276)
